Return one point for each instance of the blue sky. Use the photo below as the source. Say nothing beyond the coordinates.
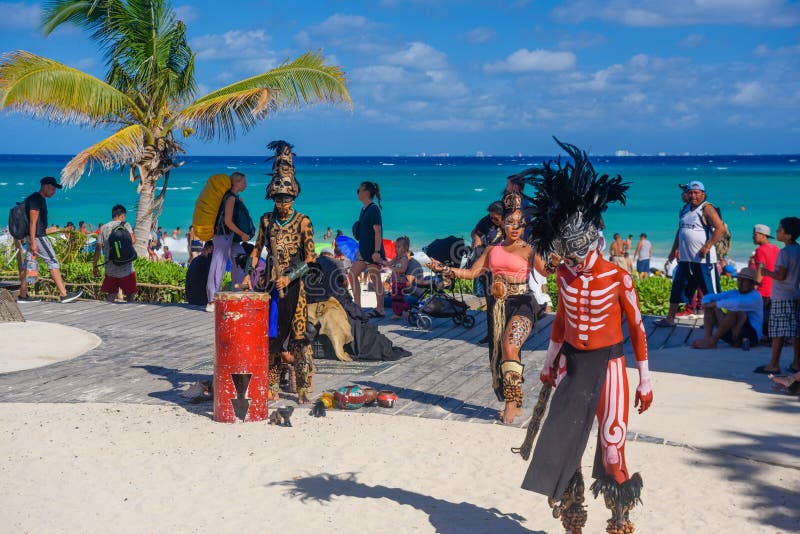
(497, 76)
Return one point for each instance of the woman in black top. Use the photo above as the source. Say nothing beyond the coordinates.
(371, 256)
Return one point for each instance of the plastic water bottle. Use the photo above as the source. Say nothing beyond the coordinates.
(746, 343)
(31, 270)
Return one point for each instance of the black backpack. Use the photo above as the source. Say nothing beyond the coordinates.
(120, 246)
(18, 222)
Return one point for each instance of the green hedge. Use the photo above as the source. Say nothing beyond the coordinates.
(653, 292)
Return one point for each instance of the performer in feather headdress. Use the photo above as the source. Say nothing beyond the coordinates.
(513, 307)
(288, 237)
(584, 359)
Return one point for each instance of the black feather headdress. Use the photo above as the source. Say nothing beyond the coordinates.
(569, 200)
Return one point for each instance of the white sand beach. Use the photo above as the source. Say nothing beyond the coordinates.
(144, 468)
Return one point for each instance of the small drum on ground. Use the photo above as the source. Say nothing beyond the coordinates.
(241, 364)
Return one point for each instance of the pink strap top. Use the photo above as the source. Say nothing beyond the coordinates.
(507, 264)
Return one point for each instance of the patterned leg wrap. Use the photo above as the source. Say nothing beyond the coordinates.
(571, 509)
(303, 369)
(274, 376)
(620, 499)
(512, 381)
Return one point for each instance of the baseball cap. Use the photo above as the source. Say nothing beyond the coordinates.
(763, 229)
(748, 273)
(49, 180)
(326, 250)
(694, 185)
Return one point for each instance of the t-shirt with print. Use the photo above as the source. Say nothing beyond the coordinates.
(113, 270)
(37, 202)
(787, 289)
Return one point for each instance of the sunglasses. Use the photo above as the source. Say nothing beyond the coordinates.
(514, 226)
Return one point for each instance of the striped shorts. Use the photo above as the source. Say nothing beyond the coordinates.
(45, 250)
(784, 316)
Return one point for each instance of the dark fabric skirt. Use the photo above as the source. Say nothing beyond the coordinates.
(516, 305)
(566, 429)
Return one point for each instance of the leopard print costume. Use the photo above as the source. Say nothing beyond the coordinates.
(288, 243)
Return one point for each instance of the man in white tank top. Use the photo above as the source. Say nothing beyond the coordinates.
(699, 229)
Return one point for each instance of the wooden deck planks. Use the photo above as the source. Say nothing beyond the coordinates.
(150, 352)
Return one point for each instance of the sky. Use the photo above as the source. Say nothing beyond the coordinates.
(498, 77)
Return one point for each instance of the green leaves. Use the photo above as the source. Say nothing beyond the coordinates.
(51, 90)
(305, 80)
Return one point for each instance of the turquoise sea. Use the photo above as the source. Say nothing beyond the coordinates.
(430, 197)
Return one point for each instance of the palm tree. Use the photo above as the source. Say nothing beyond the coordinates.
(147, 96)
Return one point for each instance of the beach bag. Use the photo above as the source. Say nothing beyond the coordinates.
(120, 246)
(207, 205)
(18, 222)
(723, 246)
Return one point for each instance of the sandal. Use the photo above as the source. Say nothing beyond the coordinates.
(375, 314)
(762, 370)
(664, 322)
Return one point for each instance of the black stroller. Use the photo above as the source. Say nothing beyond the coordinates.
(438, 301)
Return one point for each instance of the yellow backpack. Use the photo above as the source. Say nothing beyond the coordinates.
(207, 206)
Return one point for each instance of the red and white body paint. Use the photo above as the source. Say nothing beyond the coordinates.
(593, 297)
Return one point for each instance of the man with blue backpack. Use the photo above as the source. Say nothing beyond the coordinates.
(116, 240)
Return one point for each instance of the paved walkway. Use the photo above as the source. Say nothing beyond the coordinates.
(150, 352)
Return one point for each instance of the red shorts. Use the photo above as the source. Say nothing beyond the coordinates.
(126, 283)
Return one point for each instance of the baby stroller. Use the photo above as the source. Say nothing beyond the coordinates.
(438, 301)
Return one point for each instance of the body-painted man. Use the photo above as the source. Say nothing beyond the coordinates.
(288, 237)
(584, 360)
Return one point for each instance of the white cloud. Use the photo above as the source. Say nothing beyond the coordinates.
(186, 13)
(20, 16)
(692, 41)
(764, 50)
(479, 35)
(348, 32)
(417, 55)
(524, 60)
(657, 13)
(379, 74)
(749, 94)
(235, 44)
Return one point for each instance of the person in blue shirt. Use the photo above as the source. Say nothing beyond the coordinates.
(734, 315)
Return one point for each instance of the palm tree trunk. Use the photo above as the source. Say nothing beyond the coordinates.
(144, 215)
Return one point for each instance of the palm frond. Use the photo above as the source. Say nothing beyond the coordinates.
(220, 115)
(123, 148)
(305, 80)
(46, 88)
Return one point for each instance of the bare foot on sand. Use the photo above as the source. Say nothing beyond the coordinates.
(704, 344)
(510, 413)
(784, 381)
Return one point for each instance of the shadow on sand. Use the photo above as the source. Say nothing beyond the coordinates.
(178, 379)
(444, 516)
(777, 506)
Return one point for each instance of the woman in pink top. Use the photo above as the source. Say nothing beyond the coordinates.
(514, 310)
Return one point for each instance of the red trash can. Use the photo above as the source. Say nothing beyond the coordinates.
(241, 364)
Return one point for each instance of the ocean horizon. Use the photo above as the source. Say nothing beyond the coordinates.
(432, 196)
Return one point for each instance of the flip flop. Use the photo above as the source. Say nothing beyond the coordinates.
(663, 323)
(762, 370)
(374, 314)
